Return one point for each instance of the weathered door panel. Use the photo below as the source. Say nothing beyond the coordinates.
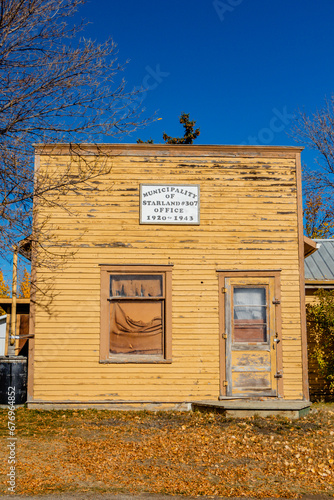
(249, 324)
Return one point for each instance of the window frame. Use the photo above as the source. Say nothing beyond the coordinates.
(106, 271)
(241, 343)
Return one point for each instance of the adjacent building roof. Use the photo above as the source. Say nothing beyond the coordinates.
(319, 267)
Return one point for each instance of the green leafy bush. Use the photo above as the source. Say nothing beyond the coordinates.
(320, 324)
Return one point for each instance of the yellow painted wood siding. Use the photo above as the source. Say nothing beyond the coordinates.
(248, 200)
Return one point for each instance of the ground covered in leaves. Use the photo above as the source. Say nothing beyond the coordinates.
(170, 453)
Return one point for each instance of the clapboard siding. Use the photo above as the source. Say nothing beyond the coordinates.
(248, 220)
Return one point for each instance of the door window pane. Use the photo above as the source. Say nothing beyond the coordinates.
(249, 296)
(250, 314)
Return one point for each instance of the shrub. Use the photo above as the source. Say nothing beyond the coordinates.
(320, 324)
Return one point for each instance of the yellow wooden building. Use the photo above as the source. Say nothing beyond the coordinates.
(173, 275)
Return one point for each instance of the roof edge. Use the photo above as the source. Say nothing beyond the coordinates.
(150, 149)
(310, 246)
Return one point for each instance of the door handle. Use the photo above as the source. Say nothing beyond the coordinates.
(276, 341)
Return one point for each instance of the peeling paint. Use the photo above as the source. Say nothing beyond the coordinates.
(265, 241)
(114, 244)
(189, 165)
(259, 178)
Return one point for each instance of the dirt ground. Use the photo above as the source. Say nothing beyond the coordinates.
(144, 496)
(98, 454)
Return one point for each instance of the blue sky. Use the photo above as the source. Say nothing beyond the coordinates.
(241, 68)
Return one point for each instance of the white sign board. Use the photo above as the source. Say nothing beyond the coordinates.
(169, 204)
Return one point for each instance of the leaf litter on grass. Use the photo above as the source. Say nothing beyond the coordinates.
(171, 453)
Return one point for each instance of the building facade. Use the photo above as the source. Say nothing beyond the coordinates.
(176, 275)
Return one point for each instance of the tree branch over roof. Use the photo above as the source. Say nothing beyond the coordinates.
(317, 132)
(55, 87)
(189, 133)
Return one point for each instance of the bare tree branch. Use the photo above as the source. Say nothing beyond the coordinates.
(55, 87)
(317, 132)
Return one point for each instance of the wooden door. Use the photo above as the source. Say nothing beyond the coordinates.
(250, 337)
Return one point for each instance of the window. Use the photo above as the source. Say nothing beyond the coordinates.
(135, 314)
(250, 314)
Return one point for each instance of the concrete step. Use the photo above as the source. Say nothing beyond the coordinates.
(243, 408)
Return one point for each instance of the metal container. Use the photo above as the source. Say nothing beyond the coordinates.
(13, 380)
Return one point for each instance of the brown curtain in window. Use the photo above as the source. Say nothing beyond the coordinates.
(136, 327)
(136, 286)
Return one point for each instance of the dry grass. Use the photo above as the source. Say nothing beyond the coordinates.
(171, 453)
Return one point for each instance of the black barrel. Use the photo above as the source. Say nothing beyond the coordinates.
(13, 380)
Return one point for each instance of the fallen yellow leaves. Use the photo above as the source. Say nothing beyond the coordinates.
(172, 453)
